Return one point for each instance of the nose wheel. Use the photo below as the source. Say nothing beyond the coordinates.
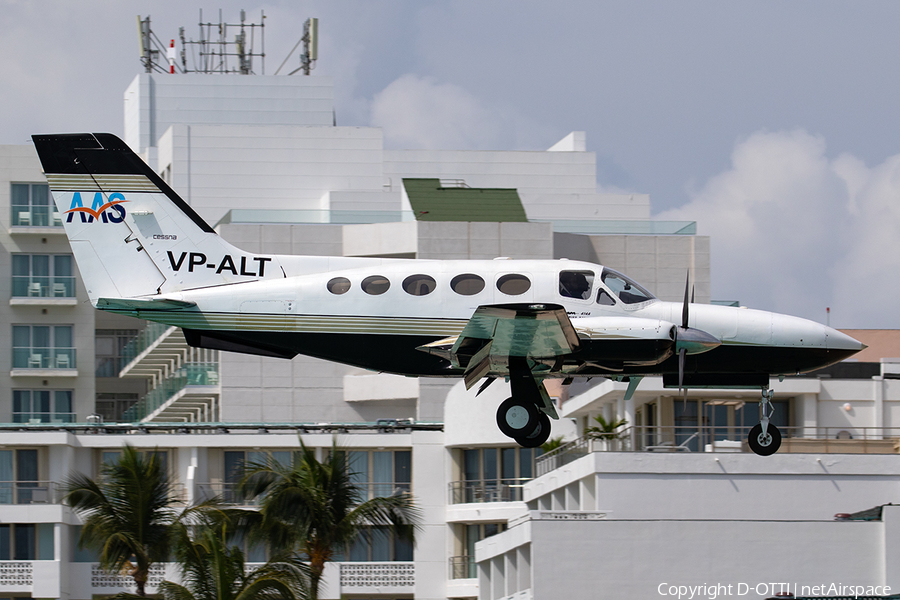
(764, 438)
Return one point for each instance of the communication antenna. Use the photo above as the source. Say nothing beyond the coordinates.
(215, 53)
(310, 41)
(146, 42)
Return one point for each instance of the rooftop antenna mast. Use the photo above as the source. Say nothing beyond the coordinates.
(215, 50)
(310, 41)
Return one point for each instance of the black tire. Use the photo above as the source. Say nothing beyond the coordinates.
(517, 418)
(540, 435)
(764, 446)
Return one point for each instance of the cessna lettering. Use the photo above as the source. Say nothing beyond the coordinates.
(198, 259)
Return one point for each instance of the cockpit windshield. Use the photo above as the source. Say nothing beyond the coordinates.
(624, 288)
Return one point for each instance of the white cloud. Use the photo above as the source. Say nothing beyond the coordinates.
(794, 231)
(423, 113)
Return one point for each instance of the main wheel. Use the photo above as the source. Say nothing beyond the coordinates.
(517, 418)
(764, 445)
(540, 435)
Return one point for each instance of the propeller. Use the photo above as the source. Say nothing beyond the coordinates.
(688, 340)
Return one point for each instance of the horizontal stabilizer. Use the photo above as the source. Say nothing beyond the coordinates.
(142, 304)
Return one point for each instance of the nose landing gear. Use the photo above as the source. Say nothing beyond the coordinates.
(764, 438)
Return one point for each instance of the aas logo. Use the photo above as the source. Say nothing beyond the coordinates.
(110, 211)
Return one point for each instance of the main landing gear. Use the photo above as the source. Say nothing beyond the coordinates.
(524, 416)
(764, 438)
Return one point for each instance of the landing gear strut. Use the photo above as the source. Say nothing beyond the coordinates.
(764, 438)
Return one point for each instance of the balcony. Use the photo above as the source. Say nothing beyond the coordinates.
(29, 492)
(229, 493)
(463, 567)
(502, 490)
(44, 362)
(43, 417)
(36, 219)
(713, 439)
(377, 577)
(43, 291)
(16, 575)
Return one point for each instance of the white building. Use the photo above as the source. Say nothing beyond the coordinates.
(262, 158)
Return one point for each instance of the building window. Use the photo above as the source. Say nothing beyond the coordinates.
(42, 276)
(494, 474)
(26, 541)
(380, 473)
(110, 457)
(19, 476)
(31, 206)
(109, 346)
(235, 461)
(42, 406)
(43, 347)
(112, 406)
(378, 544)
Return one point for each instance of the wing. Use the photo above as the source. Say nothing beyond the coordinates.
(496, 333)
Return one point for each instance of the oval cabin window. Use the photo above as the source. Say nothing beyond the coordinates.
(375, 285)
(467, 284)
(419, 285)
(338, 285)
(513, 284)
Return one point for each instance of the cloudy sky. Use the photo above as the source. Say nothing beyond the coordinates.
(773, 124)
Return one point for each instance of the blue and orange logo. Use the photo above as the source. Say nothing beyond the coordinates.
(108, 211)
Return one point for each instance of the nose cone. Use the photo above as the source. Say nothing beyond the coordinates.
(841, 342)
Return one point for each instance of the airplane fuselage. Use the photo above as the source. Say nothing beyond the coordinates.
(376, 316)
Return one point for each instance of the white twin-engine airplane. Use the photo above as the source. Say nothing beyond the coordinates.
(142, 251)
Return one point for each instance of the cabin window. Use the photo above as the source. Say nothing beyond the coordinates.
(467, 284)
(376, 285)
(604, 298)
(627, 290)
(419, 285)
(513, 284)
(576, 284)
(339, 285)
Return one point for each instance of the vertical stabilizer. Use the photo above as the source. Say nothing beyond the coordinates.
(131, 234)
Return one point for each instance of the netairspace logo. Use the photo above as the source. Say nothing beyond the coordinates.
(103, 210)
(712, 591)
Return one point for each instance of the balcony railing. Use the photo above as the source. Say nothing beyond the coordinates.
(35, 216)
(188, 374)
(395, 576)
(227, 493)
(16, 573)
(494, 490)
(29, 492)
(44, 358)
(43, 417)
(677, 439)
(142, 341)
(463, 567)
(230, 493)
(25, 286)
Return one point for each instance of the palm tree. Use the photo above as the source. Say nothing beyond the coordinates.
(606, 430)
(316, 509)
(211, 569)
(127, 514)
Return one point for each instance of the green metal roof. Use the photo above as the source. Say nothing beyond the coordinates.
(431, 202)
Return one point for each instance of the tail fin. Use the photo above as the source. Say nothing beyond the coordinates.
(131, 234)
